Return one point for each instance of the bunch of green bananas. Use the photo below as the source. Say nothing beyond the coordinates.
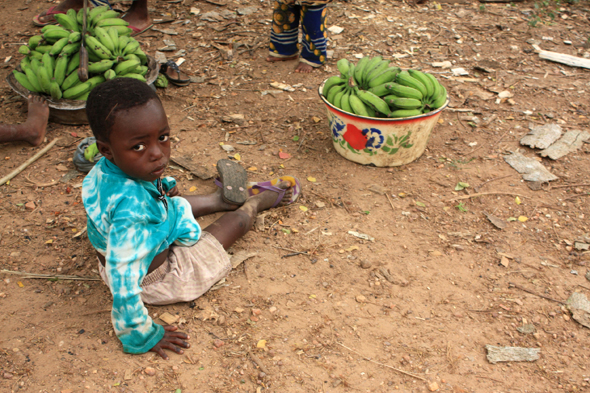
(51, 61)
(373, 88)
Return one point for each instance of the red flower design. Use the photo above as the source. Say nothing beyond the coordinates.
(355, 137)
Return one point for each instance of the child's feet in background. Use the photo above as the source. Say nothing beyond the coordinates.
(33, 130)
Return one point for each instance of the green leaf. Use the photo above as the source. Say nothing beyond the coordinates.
(20, 204)
(295, 138)
(511, 219)
(366, 212)
(285, 230)
(461, 207)
(461, 185)
(421, 204)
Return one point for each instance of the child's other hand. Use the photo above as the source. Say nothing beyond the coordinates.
(173, 192)
(172, 340)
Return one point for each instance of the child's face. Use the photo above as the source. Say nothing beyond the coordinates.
(140, 141)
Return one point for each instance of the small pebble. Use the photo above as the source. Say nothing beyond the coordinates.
(150, 371)
(256, 311)
(365, 264)
(218, 343)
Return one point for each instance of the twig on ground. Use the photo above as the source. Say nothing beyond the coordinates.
(96, 312)
(482, 194)
(53, 183)
(258, 362)
(489, 181)
(49, 276)
(383, 365)
(288, 249)
(576, 196)
(390, 201)
(570, 185)
(535, 293)
(28, 162)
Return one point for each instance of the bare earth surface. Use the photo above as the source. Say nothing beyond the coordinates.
(411, 311)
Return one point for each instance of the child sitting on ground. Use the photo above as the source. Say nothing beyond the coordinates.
(287, 14)
(31, 131)
(150, 247)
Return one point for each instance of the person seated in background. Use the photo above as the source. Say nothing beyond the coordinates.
(31, 131)
(137, 15)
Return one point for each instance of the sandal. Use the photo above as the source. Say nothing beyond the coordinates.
(256, 188)
(232, 181)
(177, 78)
(37, 21)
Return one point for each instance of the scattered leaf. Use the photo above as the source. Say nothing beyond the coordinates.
(316, 119)
(522, 218)
(295, 138)
(49, 241)
(20, 284)
(312, 296)
(311, 179)
(461, 207)
(402, 194)
(261, 344)
(421, 204)
(285, 230)
(192, 189)
(517, 200)
(303, 208)
(461, 186)
(238, 157)
(511, 219)
(252, 168)
(284, 155)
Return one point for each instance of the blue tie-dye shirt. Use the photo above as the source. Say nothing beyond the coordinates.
(130, 226)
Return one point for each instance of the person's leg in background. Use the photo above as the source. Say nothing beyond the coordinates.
(315, 42)
(285, 31)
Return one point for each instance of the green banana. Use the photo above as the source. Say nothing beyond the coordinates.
(35, 55)
(74, 63)
(132, 75)
(34, 41)
(110, 74)
(381, 90)
(404, 91)
(90, 152)
(43, 48)
(24, 50)
(94, 12)
(132, 56)
(114, 38)
(100, 67)
(358, 70)
(343, 66)
(142, 56)
(345, 102)
(24, 81)
(368, 67)
(112, 22)
(332, 93)
(440, 100)
(72, 80)
(338, 98)
(58, 46)
(105, 15)
(35, 64)
(51, 27)
(123, 40)
(77, 90)
(405, 113)
(420, 76)
(123, 30)
(74, 37)
(376, 70)
(331, 82)
(389, 99)
(61, 66)
(52, 36)
(48, 63)
(387, 75)
(104, 38)
(404, 78)
(33, 79)
(44, 80)
(374, 101)
(436, 86)
(92, 56)
(127, 66)
(54, 90)
(142, 70)
(72, 14)
(407, 103)
(25, 63)
(96, 80)
(131, 46)
(80, 16)
(357, 105)
(99, 49)
(71, 49)
(83, 97)
(67, 22)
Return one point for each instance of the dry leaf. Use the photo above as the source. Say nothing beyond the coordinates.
(303, 208)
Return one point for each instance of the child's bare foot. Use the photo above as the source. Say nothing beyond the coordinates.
(273, 58)
(33, 130)
(268, 198)
(303, 68)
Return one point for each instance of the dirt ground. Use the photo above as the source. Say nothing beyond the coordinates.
(411, 311)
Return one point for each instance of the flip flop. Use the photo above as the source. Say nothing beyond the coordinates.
(37, 22)
(256, 188)
(138, 31)
(233, 181)
(180, 80)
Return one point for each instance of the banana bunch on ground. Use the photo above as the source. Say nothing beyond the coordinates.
(51, 61)
(374, 88)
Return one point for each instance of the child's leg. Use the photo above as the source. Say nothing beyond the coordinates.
(285, 32)
(203, 205)
(314, 50)
(233, 225)
(33, 130)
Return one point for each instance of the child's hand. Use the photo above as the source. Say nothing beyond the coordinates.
(172, 340)
(173, 192)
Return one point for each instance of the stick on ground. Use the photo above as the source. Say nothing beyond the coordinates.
(28, 162)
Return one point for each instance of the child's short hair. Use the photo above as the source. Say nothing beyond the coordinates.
(110, 97)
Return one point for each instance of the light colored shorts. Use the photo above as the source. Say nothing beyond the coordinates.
(187, 273)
